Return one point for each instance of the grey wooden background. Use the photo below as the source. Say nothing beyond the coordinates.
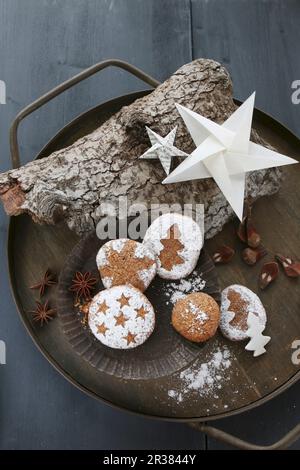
(43, 42)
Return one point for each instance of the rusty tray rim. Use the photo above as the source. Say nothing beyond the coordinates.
(263, 117)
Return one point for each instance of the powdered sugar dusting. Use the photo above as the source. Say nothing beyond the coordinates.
(142, 250)
(254, 305)
(115, 245)
(107, 282)
(118, 245)
(146, 275)
(137, 251)
(199, 314)
(178, 290)
(190, 236)
(101, 258)
(203, 378)
(176, 395)
(120, 311)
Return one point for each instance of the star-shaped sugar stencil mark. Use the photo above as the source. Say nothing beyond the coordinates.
(102, 329)
(103, 307)
(141, 312)
(121, 319)
(169, 255)
(130, 338)
(123, 300)
(225, 153)
(163, 149)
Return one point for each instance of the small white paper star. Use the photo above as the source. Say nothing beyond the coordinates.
(258, 341)
(163, 149)
(225, 153)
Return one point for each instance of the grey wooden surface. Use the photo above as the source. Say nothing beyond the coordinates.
(43, 42)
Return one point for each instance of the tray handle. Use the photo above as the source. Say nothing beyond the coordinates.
(283, 443)
(13, 136)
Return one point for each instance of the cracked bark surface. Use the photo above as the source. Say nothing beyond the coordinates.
(72, 183)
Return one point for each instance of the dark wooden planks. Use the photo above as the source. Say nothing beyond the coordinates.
(265, 425)
(256, 40)
(43, 42)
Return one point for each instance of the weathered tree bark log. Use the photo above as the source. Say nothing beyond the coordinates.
(72, 182)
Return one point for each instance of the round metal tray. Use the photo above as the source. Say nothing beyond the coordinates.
(32, 248)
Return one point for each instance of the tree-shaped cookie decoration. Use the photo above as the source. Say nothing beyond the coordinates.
(169, 255)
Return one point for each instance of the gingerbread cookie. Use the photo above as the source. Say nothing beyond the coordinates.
(196, 317)
(121, 317)
(236, 303)
(177, 241)
(125, 261)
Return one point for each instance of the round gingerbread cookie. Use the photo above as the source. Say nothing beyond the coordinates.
(121, 317)
(196, 317)
(236, 303)
(177, 241)
(125, 261)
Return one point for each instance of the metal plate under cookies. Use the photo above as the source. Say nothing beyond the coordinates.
(164, 353)
(32, 248)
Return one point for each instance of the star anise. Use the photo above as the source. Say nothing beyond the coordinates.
(83, 284)
(43, 313)
(47, 280)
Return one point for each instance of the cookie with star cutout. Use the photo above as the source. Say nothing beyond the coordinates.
(121, 317)
(177, 241)
(125, 261)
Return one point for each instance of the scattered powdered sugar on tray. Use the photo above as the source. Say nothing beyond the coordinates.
(178, 290)
(176, 395)
(203, 379)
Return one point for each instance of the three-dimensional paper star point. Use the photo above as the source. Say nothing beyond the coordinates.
(225, 153)
(163, 149)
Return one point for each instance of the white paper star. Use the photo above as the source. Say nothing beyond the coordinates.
(163, 149)
(258, 341)
(225, 153)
